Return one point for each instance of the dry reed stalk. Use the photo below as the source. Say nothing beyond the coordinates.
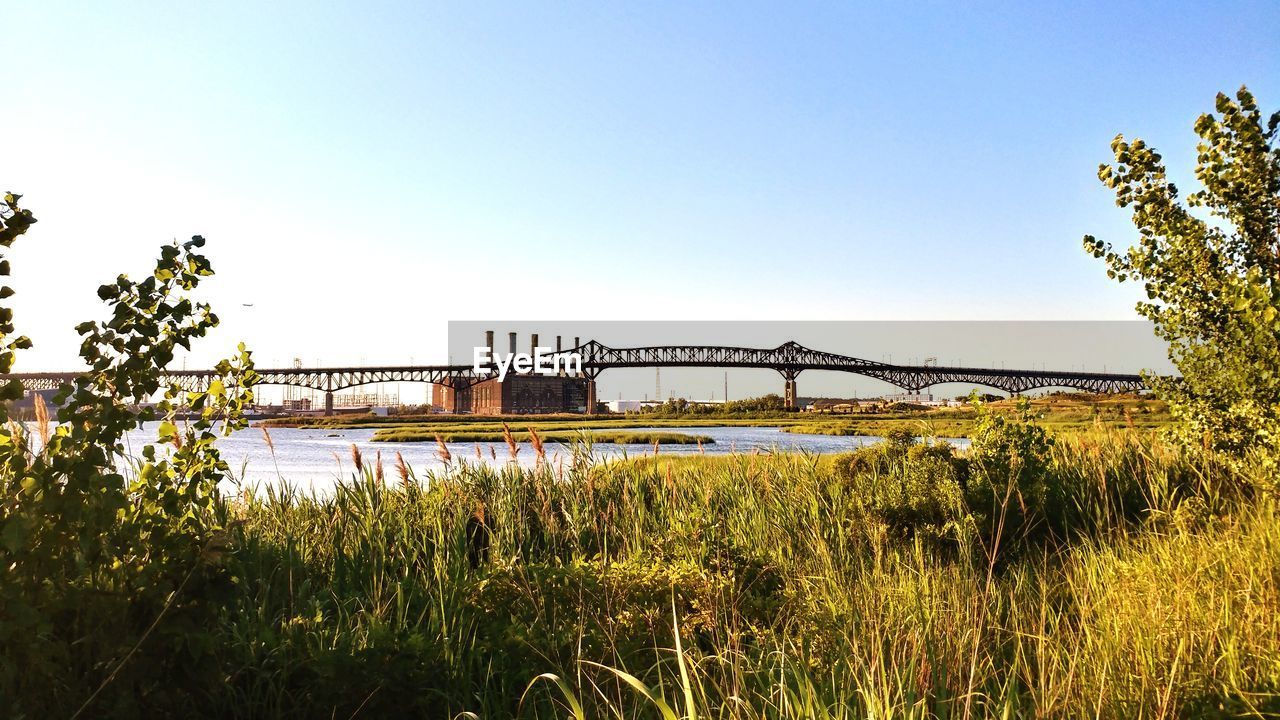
(357, 458)
(377, 470)
(402, 469)
(442, 450)
(537, 445)
(42, 420)
(267, 437)
(512, 447)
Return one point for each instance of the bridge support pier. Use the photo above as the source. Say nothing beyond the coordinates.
(591, 395)
(789, 401)
(445, 396)
(328, 403)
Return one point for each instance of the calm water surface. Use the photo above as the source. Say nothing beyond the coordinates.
(317, 458)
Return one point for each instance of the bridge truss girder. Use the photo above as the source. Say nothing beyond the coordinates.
(788, 359)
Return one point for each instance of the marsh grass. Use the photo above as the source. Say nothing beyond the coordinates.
(1075, 412)
(616, 437)
(761, 585)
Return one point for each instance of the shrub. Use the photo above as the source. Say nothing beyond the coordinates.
(1009, 458)
(913, 488)
(111, 566)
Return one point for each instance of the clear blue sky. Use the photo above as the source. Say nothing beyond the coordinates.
(366, 172)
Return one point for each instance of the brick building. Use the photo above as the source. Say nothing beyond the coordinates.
(519, 395)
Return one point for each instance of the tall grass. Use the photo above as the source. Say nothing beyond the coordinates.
(758, 585)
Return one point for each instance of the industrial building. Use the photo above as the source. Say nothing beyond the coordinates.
(525, 394)
(519, 394)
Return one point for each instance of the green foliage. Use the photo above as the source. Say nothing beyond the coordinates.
(911, 488)
(1010, 458)
(1004, 483)
(750, 585)
(765, 405)
(111, 565)
(1213, 284)
(616, 437)
(796, 583)
(14, 221)
(624, 608)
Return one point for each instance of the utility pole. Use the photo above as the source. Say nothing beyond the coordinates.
(657, 383)
(726, 386)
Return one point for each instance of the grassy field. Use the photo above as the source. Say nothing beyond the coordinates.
(1037, 574)
(1067, 412)
(554, 428)
(1122, 578)
(451, 423)
(569, 435)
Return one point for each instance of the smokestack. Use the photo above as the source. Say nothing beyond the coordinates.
(558, 347)
(533, 344)
(512, 338)
(576, 343)
(488, 340)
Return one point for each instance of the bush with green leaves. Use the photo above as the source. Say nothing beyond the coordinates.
(1010, 481)
(110, 564)
(1211, 271)
(1003, 483)
(912, 488)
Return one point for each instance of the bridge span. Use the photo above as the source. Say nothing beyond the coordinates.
(789, 360)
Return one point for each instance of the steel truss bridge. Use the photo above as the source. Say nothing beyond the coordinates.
(789, 359)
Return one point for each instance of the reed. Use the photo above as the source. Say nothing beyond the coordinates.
(357, 461)
(43, 426)
(402, 470)
(536, 442)
(512, 447)
(764, 586)
(442, 451)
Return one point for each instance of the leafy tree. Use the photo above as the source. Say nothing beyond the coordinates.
(1211, 269)
(765, 403)
(110, 564)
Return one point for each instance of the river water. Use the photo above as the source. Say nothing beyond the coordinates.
(316, 458)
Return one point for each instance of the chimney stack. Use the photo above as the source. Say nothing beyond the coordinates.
(533, 344)
(511, 337)
(488, 340)
(558, 347)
